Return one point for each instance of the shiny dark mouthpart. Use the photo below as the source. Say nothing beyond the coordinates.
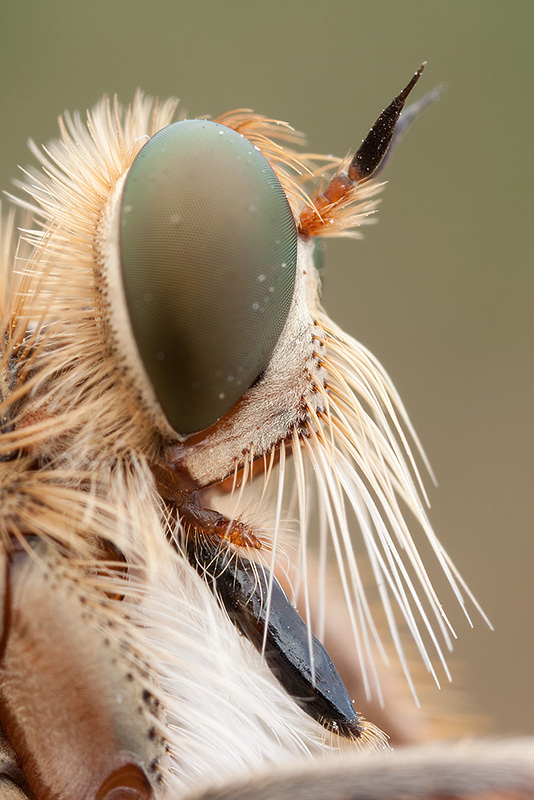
(278, 630)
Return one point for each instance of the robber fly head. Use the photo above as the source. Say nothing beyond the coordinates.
(179, 282)
(206, 254)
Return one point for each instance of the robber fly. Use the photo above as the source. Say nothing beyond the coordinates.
(172, 398)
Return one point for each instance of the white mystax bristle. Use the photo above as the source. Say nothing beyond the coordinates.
(77, 448)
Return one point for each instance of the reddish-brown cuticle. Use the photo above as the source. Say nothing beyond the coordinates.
(129, 782)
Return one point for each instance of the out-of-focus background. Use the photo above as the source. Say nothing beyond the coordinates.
(441, 290)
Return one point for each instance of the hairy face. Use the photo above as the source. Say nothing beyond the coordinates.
(198, 468)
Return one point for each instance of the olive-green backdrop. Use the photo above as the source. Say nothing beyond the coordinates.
(441, 290)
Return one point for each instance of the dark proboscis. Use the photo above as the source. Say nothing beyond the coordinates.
(276, 628)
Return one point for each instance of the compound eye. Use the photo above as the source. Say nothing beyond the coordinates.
(208, 252)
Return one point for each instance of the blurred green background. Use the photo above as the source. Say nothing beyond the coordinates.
(441, 290)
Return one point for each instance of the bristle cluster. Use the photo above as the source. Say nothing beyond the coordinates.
(343, 214)
(296, 171)
(352, 467)
(76, 449)
(74, 466)
(363, 476)
(72, 382)
(290, 167)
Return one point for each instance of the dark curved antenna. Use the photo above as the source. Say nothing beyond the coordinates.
(371, 157)
(374, 147)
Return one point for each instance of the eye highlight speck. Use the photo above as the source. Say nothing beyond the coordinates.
(184, 238)
(212, 514)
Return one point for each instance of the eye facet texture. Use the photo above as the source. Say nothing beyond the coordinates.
(208, 250)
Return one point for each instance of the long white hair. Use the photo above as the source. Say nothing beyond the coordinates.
(139, 631)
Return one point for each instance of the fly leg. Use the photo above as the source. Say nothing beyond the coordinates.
(69, 705)
(500, 770)
(13, 784)
(10, 790)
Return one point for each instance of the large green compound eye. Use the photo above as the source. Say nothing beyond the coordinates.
(208, 251)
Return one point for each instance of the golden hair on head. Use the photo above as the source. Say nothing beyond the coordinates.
(189, 451)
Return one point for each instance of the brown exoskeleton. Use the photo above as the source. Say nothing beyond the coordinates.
(163, 349)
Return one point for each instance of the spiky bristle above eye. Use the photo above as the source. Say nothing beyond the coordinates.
(336, 421)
